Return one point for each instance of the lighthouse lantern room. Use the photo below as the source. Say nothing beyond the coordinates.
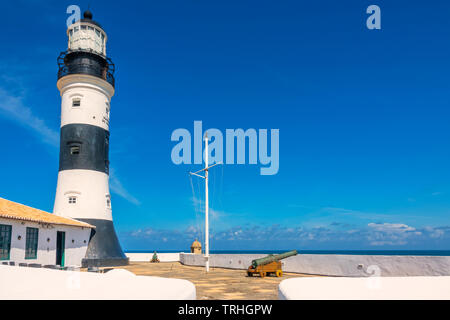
(86, 84)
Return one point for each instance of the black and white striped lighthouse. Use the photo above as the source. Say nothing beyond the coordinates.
(86, 84)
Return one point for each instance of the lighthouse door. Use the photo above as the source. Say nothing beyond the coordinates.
(60, 246)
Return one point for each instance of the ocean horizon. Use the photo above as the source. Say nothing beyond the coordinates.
(346, 252)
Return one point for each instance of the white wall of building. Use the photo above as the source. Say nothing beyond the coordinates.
(76, 242)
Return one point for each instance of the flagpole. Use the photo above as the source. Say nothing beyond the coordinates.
(206, 206)
(206, 169)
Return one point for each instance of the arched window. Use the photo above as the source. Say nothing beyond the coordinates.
(75, 150)
(74, 147)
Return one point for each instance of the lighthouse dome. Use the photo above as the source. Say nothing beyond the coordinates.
(87, 15)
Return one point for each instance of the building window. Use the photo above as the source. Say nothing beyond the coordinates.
(72, 200)
(32, 243)
(76, 102)
(5, 241)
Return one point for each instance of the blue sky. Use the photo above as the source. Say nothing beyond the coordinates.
(363, 119)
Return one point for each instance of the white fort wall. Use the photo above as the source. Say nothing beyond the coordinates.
(372, 288)
(335, 265)
(147, 256)
(75, 245)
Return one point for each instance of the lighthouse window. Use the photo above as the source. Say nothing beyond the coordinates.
(108, 202)
(72, 200)
(97, 32)
(90, 28)
(75, 29)
(76, 102)
(83, 27)
(31, 243)
(75, 150)
(70, 32)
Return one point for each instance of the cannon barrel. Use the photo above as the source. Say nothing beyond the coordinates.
(272, 258)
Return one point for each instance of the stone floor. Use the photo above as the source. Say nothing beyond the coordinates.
(218, 284)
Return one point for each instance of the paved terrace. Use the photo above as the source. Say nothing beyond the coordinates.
(218, 284)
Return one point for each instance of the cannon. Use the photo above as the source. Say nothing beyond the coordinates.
(269, 265)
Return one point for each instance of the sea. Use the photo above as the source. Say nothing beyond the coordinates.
(349, 252)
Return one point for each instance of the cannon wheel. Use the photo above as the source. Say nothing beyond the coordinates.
(262, 274)
(250, 274)
(279, 273)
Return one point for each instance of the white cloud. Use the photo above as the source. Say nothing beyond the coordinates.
(391, 234)
(435, 232)
(199, 206)
(13, 108)
(391, 227)
(117, 187)
(136, 233)
(379, 235)
(388, 243)
(354, 213)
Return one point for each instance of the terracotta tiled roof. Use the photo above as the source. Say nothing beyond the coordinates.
(17, 211)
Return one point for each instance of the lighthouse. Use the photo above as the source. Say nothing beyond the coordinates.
(86, 84)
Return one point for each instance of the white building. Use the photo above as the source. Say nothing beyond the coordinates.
(32, 236)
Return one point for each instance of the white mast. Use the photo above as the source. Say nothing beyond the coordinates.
(206, 200)
(206, 206)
